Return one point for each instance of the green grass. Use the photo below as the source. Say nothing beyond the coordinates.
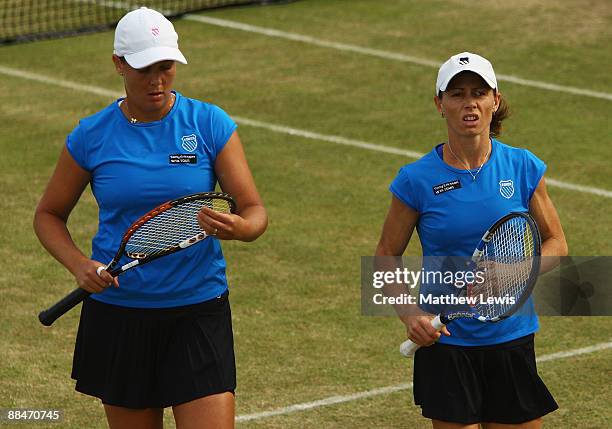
(295, 292)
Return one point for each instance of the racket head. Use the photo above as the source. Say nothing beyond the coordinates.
(510, 251)
(169, 227)
(513, 239)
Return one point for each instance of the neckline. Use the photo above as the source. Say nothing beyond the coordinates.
(492, 156)
(117, 105)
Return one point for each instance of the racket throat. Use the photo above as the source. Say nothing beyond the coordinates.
(193, 240)
(130, 265)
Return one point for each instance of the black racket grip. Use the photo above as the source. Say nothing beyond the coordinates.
(50, 315)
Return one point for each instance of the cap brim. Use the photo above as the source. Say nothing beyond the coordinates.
(488, 80)
(153, 55)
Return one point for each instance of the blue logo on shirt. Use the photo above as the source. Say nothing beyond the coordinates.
(506, 188)
(189, 143)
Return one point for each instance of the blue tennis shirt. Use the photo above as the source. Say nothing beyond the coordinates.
(136, 167)
(455, 211)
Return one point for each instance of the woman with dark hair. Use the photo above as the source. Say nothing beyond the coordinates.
(163, 336)
(472, 373)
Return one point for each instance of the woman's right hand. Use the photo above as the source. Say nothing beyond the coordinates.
(87, 278)
(420, 331)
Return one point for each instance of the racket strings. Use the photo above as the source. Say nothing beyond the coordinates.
(508, 258)
(171, 227)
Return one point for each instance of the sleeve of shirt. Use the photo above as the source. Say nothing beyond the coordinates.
(403, 188)
(535, 169)
(222, 127)
(76, 145)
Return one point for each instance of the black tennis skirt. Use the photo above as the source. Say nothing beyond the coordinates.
(495, 384)
(154, 358)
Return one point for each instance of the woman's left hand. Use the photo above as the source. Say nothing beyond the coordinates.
(225, 226)
(234, 176)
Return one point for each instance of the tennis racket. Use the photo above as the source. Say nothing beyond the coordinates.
(510, 253)
(166, 229)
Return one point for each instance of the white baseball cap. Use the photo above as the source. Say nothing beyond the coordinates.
(465, 61)
(144, 36)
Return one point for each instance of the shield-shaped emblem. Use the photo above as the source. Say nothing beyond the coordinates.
(189, 143)
(506, 188)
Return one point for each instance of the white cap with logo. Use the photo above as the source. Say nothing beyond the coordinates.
(465, 61)
(144, 36)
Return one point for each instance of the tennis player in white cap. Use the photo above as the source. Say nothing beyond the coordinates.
(162, 337)
(472, 373)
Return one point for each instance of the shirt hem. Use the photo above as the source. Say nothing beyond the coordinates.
(488, 341)
(158, 304)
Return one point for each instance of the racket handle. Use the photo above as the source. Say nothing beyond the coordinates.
(47, 317)
(407, 348)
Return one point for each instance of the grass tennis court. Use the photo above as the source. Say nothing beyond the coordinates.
(295, 292)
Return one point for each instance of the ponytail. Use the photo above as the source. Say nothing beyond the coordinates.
(502, 112)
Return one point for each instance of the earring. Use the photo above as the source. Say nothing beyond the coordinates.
(442, 113)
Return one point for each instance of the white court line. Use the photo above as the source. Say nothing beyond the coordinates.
(324, 402)
(388, 55)
(332, 400)
(575, 352)
(59, 82)
(270, 32)
(397, 151)
(329, 138)
(282, 129)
